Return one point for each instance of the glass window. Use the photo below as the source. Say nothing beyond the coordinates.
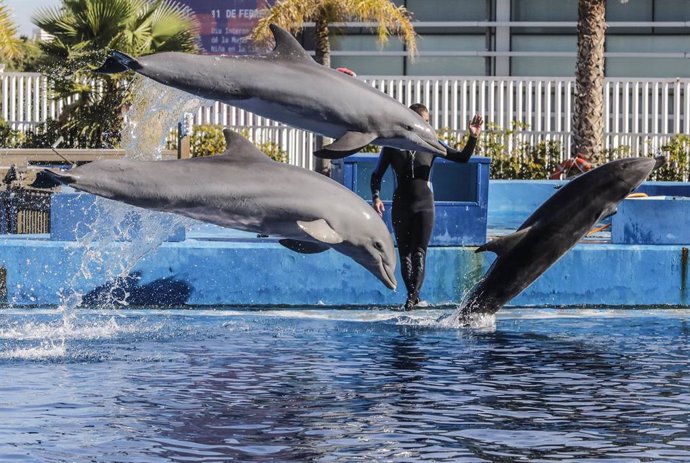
(648, 67)
(634, 10)
(448, 10)
(542, 66)
(371, 65)
(653, 67)
(447, 66)
(544, 10)
(649, 43)
(671, 10)
(451, 42)
(363, 43)
(544, 43)
(368, 65)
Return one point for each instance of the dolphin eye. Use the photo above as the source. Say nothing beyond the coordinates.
(408, 127)
(378, 246)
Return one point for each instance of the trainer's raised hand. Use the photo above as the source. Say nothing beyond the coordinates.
(475, 125)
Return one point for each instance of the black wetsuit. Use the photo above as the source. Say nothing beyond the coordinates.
(413, 207)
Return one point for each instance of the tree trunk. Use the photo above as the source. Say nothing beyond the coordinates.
(588, 115)
(323, 44)
(323, 56)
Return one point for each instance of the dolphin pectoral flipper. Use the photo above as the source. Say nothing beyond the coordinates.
(303, 247)
(503, 244)
(346, 145)
(609, 211)
(320, 231)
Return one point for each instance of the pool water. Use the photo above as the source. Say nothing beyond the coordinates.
(343, 386)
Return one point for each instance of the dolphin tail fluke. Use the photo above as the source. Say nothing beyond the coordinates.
(57, 178)
(118, 62)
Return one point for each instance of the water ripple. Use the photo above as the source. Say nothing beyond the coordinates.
(344, 386)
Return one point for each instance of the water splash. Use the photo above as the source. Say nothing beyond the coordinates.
(481, 321)
(155, 110)
(121, 235)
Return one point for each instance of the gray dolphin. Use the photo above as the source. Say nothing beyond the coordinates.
(288, 86)
(244, 189)
(554, 228)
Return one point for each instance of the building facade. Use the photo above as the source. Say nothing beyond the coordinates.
(645, 38)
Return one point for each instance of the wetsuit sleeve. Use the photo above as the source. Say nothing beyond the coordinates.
(461, 156)
(377, 175)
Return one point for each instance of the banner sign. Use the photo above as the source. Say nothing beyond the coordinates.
(226, 24)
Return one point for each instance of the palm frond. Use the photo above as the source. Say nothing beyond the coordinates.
(55, 21)
(288, 14)
(9, 44)
(173, 26)
(103, 19)
(291, 14)
(390, 19)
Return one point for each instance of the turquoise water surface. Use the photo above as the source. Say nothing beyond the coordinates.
(343, 386)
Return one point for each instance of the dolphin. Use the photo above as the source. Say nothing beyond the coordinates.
(246, 190)
(288, 86)
(554, 228)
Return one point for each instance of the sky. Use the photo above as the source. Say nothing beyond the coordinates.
(24, 9)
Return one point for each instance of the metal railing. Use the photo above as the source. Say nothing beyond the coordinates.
(639, 113)
(24, 211)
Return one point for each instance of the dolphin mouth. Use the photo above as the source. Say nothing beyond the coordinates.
(387, 276)
(436, 147)
(659, 161)
(651, 165)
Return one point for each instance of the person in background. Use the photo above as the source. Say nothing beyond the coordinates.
(413, 201)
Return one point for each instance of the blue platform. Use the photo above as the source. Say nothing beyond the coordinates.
(653, 220)
(461, 192)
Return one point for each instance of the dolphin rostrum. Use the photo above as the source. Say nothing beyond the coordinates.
(288, 86)
(554, 228)
(246, 190)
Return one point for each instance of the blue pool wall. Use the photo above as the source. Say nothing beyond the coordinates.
(215, 273)
(214, 267)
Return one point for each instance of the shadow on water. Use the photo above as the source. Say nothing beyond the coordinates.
(161, 292)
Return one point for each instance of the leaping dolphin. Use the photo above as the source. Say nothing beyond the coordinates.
(288, 86)
(244, 189)
(554, 228)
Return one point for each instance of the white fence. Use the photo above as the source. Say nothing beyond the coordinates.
(640, 113)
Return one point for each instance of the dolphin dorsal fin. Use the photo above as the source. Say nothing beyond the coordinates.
(287, 46)
(238, 148)
(503, 244)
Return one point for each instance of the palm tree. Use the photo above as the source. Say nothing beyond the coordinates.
(9, 45)
(588, 114)
(84, 31)
(292, 14)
